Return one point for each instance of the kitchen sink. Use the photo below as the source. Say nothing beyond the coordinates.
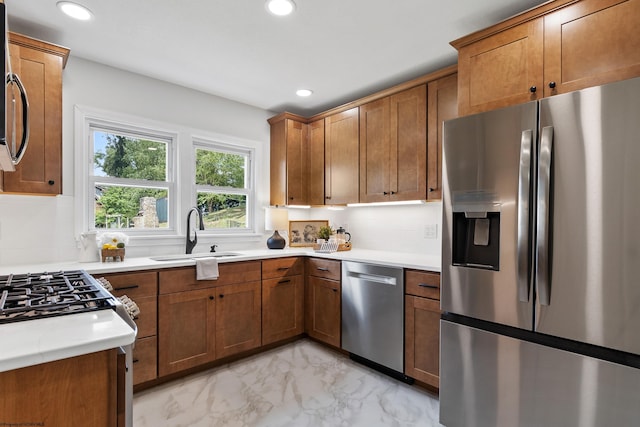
(179, 257)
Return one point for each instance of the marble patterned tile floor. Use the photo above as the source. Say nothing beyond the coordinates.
(299, 384)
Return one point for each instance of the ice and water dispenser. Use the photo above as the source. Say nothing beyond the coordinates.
(476, 239)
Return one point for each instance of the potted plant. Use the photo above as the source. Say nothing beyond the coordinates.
(325, 232)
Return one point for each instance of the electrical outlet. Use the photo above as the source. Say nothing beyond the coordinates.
(431, 231)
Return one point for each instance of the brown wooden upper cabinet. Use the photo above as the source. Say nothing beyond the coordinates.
(39, 66)
(393, 147)
(558, 47)
(289, 156)
(341, 158)
(442, 104)
(383, 147)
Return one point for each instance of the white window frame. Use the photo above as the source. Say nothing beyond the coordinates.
(88, 120)
(248, 191)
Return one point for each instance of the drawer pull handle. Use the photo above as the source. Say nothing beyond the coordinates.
(136, 360)
(322, 269)
(282, 268)
(124, 288)
(284, 281)
(426, 285)
(334, 290)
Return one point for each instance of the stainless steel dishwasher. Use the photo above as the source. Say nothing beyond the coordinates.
(373, 315)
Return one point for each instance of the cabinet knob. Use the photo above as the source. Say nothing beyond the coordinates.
(327, 197)
(211, 297)
(552, 85)
(533, 89)
(385, 193)
(334, 290)
(290, 198)
(221, 296)
(431, 189)
(393, 192)
(51, 182)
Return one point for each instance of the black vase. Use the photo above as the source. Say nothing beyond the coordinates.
(276, 241)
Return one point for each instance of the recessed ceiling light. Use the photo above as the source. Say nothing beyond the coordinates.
(280, 7)
(75, 10)
(304, 92)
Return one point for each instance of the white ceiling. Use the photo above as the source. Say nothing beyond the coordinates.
(341, 49)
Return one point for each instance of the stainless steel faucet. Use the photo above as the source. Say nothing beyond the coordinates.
(192, 243)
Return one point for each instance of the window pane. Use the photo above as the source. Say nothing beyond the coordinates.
(122, 156)
(223, 210)
(220, 169)
(130, 207)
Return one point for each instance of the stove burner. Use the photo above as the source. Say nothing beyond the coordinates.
(29, 296)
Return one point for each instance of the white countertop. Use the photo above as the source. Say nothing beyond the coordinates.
(396, 259)
(44, 340)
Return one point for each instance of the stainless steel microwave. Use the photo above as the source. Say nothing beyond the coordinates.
(13, 105)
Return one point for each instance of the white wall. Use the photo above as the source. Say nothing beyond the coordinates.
(394, 228)
(42, 229)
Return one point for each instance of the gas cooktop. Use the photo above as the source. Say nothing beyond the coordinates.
(37, 295)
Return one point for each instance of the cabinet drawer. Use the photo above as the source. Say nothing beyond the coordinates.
(274, 268)
(147, 319)
(422, 284)
(145, 360)
(184, 279)
(133, 285)
(324, 268)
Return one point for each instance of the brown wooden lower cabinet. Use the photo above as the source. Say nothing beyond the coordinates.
(282, 308)
(422, 339)
(145, 360)
(186, 330)
(77, 391)
(142, 288)
(323, 310)
(238, 318)
(196, 327)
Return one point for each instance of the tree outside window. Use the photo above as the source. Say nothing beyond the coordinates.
(223, 186)
(130, 181)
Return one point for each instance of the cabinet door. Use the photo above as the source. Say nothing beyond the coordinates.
(40, 70)
(315, 136)
(186, 330)
(374, 151)
(145, 360)
(282, 308)
(442, 105)
(408, 144)
(289, 163)
(590, 43)
(297, 167)
(238, 318)
(278, 163)
(341, 158)
(422, 339)
(323, 310)
(500, 70)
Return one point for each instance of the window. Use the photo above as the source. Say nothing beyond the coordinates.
(131, 179)
(224, 190)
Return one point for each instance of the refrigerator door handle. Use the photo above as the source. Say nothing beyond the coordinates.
(543, 288)
(524, 186)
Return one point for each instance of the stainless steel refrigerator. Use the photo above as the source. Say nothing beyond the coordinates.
(541, 263)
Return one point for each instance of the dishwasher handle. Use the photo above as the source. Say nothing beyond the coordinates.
(375, 278)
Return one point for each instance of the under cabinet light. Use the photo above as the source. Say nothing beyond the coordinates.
(406, 202)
